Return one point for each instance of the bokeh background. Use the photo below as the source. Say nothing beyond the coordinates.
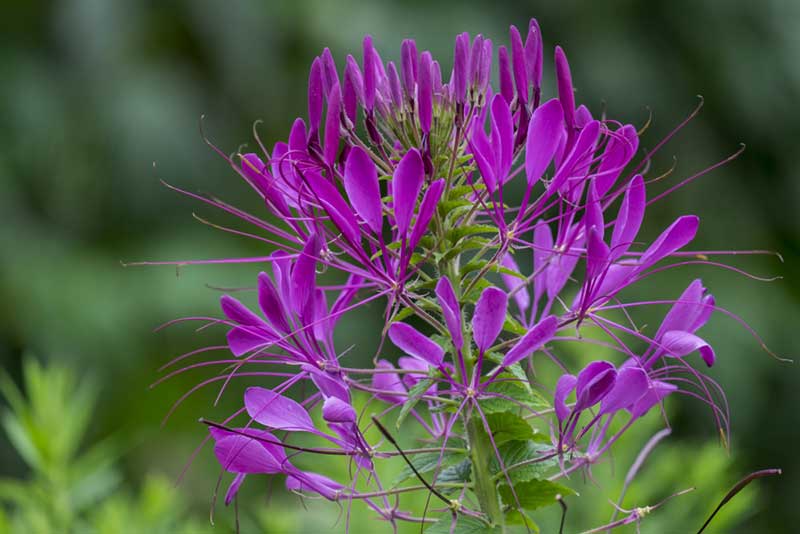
(93, 92)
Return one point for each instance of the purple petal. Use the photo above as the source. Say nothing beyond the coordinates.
(425, 92)
(678, 235)
(406, 184)
(335, 206)
(565, 91)
(308, 481)
(502, 136)
(270, 303)
(276, 411)
(415, 344)
(395, 89)
(488, 317)
(426, 210)
(618, 153)
(233, 489)
(388, 382)
(504, 68)
(240, 454)
(363, 190)
(596, 254)
(521, 296)
(629, 218)
(409, 61)
(679, 344)
(544, 132)
(460, 67)
(532, 341)
(475, 54)
(594, 382)
(353, 88)
(561, 267)
(484, 66)
(518, 60)
(413, 364)
(329, 75)
(542, 251)
(304, 274)
(327, 384)
(450, 310)
(533, 53)
(315, 96)
(243, 340)
(239, 313)
(629, 387)
(332, 122)
(335, 410)
(690, 312)
(594, 211)
(654, 395)
(564, 387)
(369, 73)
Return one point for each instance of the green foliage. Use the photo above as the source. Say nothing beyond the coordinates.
(72, 486)
(464, 525)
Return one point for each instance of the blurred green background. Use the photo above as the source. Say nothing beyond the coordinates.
(93, 92)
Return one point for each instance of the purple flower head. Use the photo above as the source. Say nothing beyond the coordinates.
(395, 196)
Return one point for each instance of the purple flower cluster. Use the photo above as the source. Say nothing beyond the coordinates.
(398, 180)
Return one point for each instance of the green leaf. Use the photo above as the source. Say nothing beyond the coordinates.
(533, 494)
(509, 387)
(516, 452)
(520, 517)
(414, 395)
(463, 231)
(427, 462)
(464, 525)
(508, 426)
(459, 472)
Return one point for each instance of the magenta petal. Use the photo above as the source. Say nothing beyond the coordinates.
(425, 92)
(533, 53)
(426, 210)
(395, 89)
(596, 254)
(619, 151)
(690, 312)
(353, 88)
(629, 218)
(594, 211)
(363, 190)
(504, 68)
(233, 489)
(532, 341)
(304, 274)
(332, 121)
(558, 272)
(388, 382)
(409, 65)
(369, 73)
(315, 95)
(521, 296)
(565, 91)
(543, 135)
(238, 312)
(308, 481)
(488, 317)
(678, 235)
(502, 136)
(416, 344)
(240, 454)
(276, 411)
(678, 343)
(270, 303)
(450, 310)
(566, 383)
(460, 67)
(243, 340)
(542, 250)
(594, 382)
(335, 410)
(335, 206)
(518, 61)
(657, 391)
(406, 184)
(629, 387)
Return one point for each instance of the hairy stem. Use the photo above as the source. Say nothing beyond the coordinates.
(485, 487)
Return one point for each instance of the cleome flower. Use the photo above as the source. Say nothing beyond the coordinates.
(395, 184)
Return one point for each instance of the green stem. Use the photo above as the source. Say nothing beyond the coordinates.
(485, 487)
